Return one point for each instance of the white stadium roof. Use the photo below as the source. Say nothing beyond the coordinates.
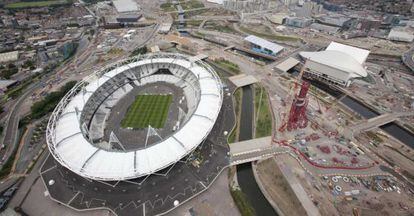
(275, 48)
(358, 54)
(125, 6)
(69, 146)
(337, 59)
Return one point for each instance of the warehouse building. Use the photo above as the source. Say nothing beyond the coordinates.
(128, 18)
(6, 84)
(263, 46)
(338, 64)
(400, 35)
(324, 28)
(9, 56)
(123, 6)
(277, 18)
(299, 22)
(340, 21)
(165, 28)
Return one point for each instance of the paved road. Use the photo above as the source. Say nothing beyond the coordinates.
(12, 123)
(10, 138)
(195, 9)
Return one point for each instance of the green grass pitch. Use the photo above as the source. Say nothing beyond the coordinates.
(147, 110)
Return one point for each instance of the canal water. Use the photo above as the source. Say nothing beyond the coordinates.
(245, 174)
(392, 128)
(400, 133)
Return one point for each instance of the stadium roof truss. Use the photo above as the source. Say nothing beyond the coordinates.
(68, 137)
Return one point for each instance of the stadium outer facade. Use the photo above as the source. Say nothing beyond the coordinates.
(68, 135)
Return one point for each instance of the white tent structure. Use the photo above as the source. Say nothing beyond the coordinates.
(68, 142)
(358, 54)
(338, 64)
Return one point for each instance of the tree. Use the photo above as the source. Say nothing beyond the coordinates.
(47, 105)
(28, 63)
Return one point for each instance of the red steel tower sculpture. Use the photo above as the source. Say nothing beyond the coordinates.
(297, 115)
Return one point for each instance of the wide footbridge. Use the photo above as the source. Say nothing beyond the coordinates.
(379, 120)
(253, 150)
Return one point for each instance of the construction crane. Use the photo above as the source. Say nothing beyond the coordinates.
(297, 111)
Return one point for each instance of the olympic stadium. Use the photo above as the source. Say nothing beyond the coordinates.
(140, 136)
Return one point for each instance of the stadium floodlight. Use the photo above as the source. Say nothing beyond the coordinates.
(151, 132)
(114, 140)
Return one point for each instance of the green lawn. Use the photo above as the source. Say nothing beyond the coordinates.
(234, 134)
(191, 4)
(18, 5)
(167, 7)
(147, 110)
(228, 65)
(263, 113)
(243, 204)
(270, 36)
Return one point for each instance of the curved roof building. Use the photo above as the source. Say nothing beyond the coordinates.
(339, 63)
(71, 130)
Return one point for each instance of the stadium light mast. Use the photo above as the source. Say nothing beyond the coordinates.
(151, 132)
(114, 139)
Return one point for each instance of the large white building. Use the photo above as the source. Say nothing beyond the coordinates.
(263, 46)
(71, 140)
(123, 6)
(400, 35)
(9, 56)
(339, 63)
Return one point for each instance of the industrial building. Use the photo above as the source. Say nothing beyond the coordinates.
(290, 2)
(338, 21)
(309, 8)
(165, 28)
(123, 6)
(324, 28)
(263, 46)
(277, 18)
(6, 84)
(216, 1)
(128, 18)
(299, 22)
(368, 24)
(9, 56)
(338, 64)
(400, 35)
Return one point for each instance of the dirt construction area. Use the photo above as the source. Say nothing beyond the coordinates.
(334, 194)
(278, 188)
